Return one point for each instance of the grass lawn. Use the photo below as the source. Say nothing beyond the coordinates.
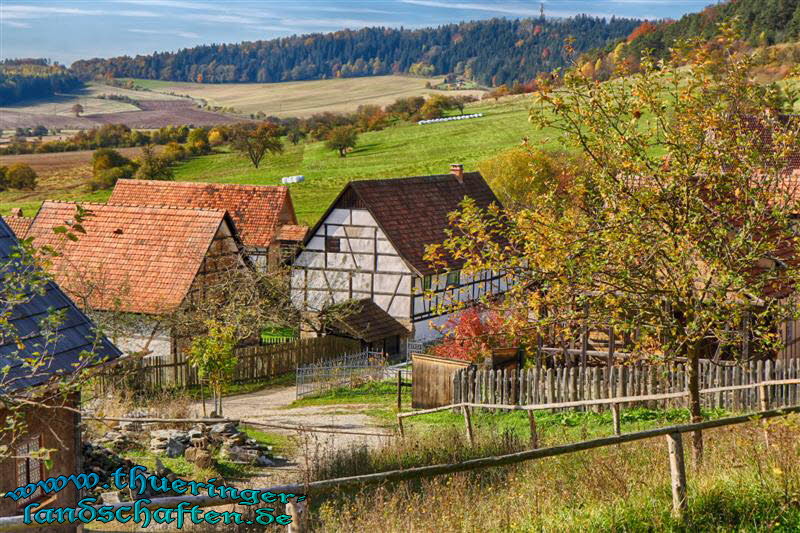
(401, 150)
(397, 151)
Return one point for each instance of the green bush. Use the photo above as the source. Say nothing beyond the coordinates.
(106, 179)
(104, 159)
(21, 176)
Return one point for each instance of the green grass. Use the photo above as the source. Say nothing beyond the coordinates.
(400, 150)
(374, 392)
(233, 389)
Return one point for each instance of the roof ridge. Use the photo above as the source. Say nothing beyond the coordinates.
(407, 178)
(204, 184)
(139, 206)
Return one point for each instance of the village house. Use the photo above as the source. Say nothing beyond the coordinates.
(264, 214)
(56, 424)
(141, 263)
(370, 246)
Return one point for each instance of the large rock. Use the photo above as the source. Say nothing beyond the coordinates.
(200, 458)
(174, 448)
(224, 428)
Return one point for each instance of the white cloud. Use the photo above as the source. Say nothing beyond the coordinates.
(186, 34)
(27, 12)
(15, 24)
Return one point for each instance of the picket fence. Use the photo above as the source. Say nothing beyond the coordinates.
(254, 363)
(532, 386)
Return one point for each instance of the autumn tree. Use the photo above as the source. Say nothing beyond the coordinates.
(77, 109)
(341, 139)
(256, 140)
(681, 232)
(20, 176)
(152, 166)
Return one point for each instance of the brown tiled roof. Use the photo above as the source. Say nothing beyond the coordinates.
(365, 320)
(255, 209)
(292, 232)
(412, 212)
(131, 258)
(18, 224)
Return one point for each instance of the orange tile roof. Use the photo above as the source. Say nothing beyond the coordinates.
(18, 224)
(255, 209)
(131, 258)
(292, 232)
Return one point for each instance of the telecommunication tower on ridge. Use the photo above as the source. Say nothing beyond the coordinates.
(541, 10)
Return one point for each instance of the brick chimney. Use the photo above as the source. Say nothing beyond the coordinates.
(16, 212)
(457, 170)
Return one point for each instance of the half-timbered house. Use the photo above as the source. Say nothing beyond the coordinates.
(370, 244)
(264, 214)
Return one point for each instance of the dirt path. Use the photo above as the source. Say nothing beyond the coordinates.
(269, 406)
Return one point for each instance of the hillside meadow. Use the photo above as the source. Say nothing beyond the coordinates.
(401, 150)
(302, 98)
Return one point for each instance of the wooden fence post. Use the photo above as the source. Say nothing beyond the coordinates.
(399, 391)
(615, 418)
(400, 427)
(763, 398)
(677, 471)
(468, 424)
(297, 510)
(534, 434)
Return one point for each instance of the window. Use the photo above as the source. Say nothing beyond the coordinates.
(426, 283)
(29, 470)
(454, 278)
(333, 244)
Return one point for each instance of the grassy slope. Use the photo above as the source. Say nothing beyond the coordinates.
(403, 150)
(301, 98)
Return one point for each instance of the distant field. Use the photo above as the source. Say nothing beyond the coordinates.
(302, 98)
(404, 150)
(154, 110)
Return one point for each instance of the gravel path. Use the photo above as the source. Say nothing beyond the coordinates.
(269, 406)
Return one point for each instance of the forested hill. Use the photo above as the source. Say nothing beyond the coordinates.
(762, 22)
(490, 52)
(33, 78)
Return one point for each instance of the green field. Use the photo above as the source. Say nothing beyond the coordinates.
(401, 150)
(302, 98)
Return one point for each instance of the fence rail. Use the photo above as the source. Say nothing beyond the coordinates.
(561, 385)
(327, 486)
(346, 371)
(254, 363)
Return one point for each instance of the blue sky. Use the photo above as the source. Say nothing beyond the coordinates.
(70, 30)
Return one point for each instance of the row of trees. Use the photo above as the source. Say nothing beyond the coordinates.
(106, 136)
(490, 52)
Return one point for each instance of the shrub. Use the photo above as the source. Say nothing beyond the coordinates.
(21, 176)
(3, 178)
(174, 152)
(105, 158)
(106, 179)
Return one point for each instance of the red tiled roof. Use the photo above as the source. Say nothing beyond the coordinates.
(18, 224)
(131, 258)
(413, 212)
(292, 232)
(255, 209)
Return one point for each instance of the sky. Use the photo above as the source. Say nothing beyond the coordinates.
(65, 31)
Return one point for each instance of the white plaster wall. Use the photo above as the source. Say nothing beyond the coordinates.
(353, 267)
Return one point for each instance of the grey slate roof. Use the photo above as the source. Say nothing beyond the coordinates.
(75, 334)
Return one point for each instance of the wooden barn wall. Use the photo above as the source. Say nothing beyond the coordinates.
(433, 380)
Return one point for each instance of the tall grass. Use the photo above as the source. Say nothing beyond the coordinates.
(743, 485)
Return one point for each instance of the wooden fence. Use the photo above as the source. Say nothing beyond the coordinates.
(534, 386)
(254, 363)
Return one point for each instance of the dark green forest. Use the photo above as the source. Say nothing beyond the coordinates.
(21, 79)
(761, 22)
(490, 52)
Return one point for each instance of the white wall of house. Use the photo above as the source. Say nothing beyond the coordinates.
(366, 266)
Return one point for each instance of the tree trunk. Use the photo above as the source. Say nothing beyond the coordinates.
(693, 374)
(219, 399)
(342, 152)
